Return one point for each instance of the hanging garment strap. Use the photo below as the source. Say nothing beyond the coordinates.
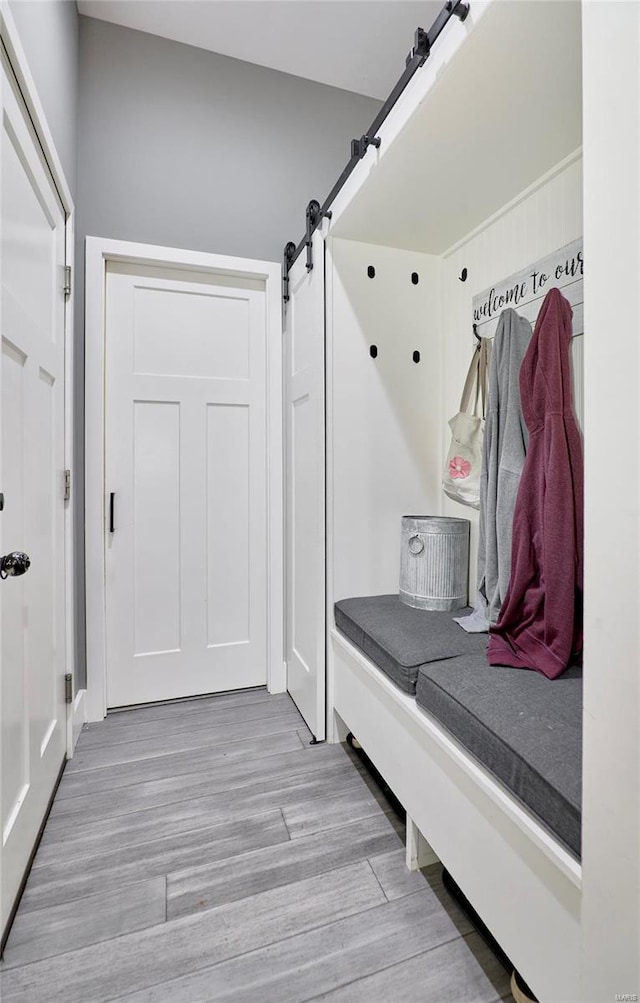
(477, 379)
(483, 373)
(471, 381)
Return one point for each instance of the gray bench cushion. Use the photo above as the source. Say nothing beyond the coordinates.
(399, 639)
(526, 729)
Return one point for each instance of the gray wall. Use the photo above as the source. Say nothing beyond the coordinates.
(48, 30)
(183, 147)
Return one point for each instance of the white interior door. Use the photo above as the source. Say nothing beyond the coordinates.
(305, 489)
(186, 512)
(32, 623)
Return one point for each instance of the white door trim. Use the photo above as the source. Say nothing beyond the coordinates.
(98, 251)
(20, 67)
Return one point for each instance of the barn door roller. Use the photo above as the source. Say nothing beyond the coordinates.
(314, 216)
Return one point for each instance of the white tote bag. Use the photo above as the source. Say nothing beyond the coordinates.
(463, 466)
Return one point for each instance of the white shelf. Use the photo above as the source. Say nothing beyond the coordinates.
(488, 123)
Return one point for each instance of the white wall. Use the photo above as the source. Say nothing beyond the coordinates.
(48, 31)
(611, 793)
(546, 218)
(385, 411)
(390, 461)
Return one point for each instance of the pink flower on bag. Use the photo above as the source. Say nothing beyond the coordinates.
(459, 468)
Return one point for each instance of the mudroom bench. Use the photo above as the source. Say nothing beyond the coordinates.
(487, 763)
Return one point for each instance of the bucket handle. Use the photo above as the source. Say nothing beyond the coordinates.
(416, 545)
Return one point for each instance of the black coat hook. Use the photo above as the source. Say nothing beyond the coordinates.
(475, 332)
(463, 275)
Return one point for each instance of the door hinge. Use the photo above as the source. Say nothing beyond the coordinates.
(68, 688)
(67, 485)
(67, 281)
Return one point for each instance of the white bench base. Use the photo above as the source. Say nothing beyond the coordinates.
(520, 880)
(419, 853)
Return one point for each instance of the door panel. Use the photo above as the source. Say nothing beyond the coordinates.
(186, 458)
(305, 487)
(214, 335)
(228, 526)
(32, 622)
(156, 518)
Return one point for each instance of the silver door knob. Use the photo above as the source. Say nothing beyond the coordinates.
(14, 564)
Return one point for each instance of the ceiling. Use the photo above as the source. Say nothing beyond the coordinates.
(358, 45)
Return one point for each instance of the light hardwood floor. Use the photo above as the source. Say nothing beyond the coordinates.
(204, 851)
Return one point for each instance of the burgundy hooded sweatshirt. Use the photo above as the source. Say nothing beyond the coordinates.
(540, 622)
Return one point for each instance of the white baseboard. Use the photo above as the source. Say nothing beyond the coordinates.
(77, 718)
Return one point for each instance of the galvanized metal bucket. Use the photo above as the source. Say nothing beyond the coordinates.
(434, 562)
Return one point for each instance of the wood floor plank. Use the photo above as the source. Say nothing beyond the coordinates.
(238, 774)
(320, 960)
(183, 741)
(53, 884)
(327, 813)
(210, 714)
(464, 969)
(140, 960)
(166, 710)
(281, 862)
(114, 777)
(394, 876)
(196, 889)
(65, 845)
(305, 735)
(43, 933)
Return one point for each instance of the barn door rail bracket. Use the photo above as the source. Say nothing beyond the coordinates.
(313, 218)
(360, 146)
(289, 251)
(422, 45)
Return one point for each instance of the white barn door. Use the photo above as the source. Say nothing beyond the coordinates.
(185, 482)
(32, 622)
(305, 489)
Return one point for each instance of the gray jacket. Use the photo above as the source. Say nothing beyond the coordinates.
(503, 454)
